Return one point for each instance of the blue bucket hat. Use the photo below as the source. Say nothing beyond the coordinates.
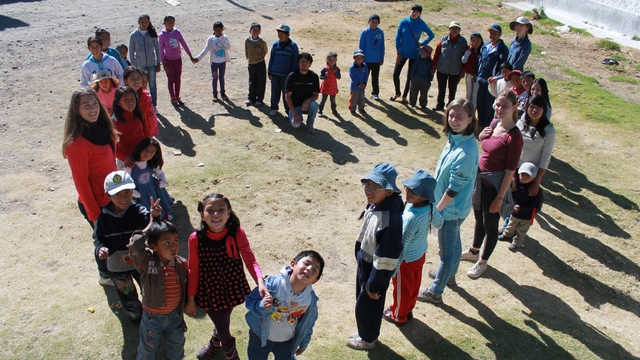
(385, 175)
(423, 184)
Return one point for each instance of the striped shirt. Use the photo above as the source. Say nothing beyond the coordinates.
(415, 229)
(171, 290)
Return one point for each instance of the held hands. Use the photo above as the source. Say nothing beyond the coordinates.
(158, 68)
(103, 253)
(194, 60)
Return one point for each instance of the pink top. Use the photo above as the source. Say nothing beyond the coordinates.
(90, 164)
(500, 153)
(170, 45)
(245, 251)
(107, 98)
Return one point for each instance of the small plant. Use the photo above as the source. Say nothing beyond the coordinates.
(636, 38)
(609, 44)
(580, 31)
(623, 79)
(538, 13)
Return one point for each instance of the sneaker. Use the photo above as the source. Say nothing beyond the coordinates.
(180, 103)
(223, 95)
(514, 247)
(248, 102)
(215, 96)
(451, 282)
(428, 296)
(375, 97)
(359, 344)
(258, 104)
(477, 270)
(105, 281)
(503, 237)
(388, 315)
(273, 112)
(438, 108)
(467, 255)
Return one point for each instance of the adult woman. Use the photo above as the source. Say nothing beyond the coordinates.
(520, 47)
(539, 87)
(455, 176)
(89, 146)
(501, 147)
(538, 138)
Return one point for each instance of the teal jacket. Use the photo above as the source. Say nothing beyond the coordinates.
(456, 170)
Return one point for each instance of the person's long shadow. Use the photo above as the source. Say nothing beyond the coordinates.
(9, 23)
(592, 247)
(557, 315)
(175, 137)
(247, 9)
(430, 343)
(594, 292)
(321, 140)
(237, 112)
(196, 121)
(130, 332)
(505, 340)
(383, 352)
(563, 179)
(351, 129)
(409, 121)
(382, 129)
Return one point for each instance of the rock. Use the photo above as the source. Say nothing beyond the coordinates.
(200, 164)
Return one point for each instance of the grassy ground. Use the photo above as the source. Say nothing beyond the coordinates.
(572, 293)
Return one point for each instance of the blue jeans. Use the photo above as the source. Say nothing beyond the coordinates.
(217, 75)
(151, 75)
(311, 113)
(450, 252)
(255, 350)
(155, 326)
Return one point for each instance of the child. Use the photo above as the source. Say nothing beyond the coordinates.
(105, 36)
(123, 50)
(515, 78)
(282, 321)
(97, 61)
(255, 50)
(498, 85)
(372, 44)
(359, 75)
(148, 175)
(526, 207)
(116, 223)
(129, 122)
(380, 237)
(217, 282)
(145, 52)
(105, 86)
(527, 80)
(329, 75)
(163, 281)
(282, 62)
(470, 61)
(421, 74)
(169, 41)
(419, 214)
(218, 46)
(134, 78)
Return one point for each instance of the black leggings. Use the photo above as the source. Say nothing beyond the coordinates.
(396, 76)
(486, 222)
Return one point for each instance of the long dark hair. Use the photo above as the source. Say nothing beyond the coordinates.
(152, 30)
(156, 162)
(233, 223)
(118, 112)
(539, 101)
(545, 89)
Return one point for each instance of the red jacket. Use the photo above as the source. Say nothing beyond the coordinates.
(132, 131)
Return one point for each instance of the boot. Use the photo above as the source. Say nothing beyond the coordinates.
(209, 350)
(230, 351)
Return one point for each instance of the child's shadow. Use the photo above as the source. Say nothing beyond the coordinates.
(408, 121)
(130, 331)
(351, 129)
(195, 121)
(175, 137)
(382, 129)
(240, 113)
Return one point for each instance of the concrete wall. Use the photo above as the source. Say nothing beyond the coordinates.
(622, 16)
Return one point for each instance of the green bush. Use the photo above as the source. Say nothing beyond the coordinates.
(609, 44)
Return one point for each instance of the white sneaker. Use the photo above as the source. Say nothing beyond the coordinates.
(375, 97)
(467, 255)
(105, 281)
(477, 270)
(248, 102)
(273, 112)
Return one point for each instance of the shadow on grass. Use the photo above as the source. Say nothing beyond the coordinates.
(321, 140)
(237, 112)
(130, 332)
(504, 339)
(351, 129)
(9, 23)
(411, 121)
(592, 247)
(175, 137)
(382, 129)
(563, 179)
(247, 9)
(182, 222)
(555, 314)
(195, 121)
(430, 343)
(383, 352)
(594, 292)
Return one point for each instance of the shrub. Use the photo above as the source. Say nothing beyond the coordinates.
(609, 44)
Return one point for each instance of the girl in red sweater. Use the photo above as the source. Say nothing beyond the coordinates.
(130, 123)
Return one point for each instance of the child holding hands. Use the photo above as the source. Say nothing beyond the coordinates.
(163, 279)
(282, 321)
(217, 282)
(170, 40)
(218, 47)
